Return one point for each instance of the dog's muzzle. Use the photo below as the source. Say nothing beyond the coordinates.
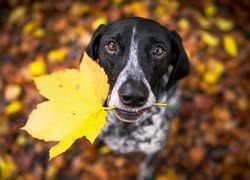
(129, 116)
(133, 96)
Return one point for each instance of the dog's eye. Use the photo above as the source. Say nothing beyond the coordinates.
(158, 51)
(112, 47)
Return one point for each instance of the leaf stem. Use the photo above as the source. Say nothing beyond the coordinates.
(109, 108)
(161, 104)
(155, 104)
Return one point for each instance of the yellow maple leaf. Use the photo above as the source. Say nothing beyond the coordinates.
(74, 107)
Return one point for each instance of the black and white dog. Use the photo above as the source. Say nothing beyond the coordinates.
(143, 61)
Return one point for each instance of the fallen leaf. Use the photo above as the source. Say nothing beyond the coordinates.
(29, 27)
(7, 167)
(201, 67)
(137, 9)
(210, 78)
(17, 14)
(161, 177)
(74, 107)
(221, 113)
(119, 162)
(51, 171)
(37, 67)
(21, 140)
(99, 21)
(210, 10)
(57, 54)
(212, 71)
(230, 45)
(39, 32)
(78, 9)
(224, 25)
(196, 154)
(104, 150)
(204, 23)
(12, 91)
(243, 103)
(229, 95)
(215, 66)
(209, 39)
(183, 24)
(117, 2)
(13, 107)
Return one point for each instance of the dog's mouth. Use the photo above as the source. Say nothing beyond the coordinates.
(129, 115)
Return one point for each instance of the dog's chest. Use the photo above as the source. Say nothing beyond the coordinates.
(147, 136)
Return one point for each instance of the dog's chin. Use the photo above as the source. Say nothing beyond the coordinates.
(129, 115)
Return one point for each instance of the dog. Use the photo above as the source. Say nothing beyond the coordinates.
(143, 61)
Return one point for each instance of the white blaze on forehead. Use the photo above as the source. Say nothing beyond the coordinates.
(131, 70)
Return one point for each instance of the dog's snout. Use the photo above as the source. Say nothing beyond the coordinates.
(133, 93)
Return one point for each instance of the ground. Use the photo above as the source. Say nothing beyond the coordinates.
(209, 139)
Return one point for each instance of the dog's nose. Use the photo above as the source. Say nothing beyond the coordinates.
(133, 93)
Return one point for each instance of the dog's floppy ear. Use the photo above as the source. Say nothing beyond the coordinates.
(179, 61)
(93, 46)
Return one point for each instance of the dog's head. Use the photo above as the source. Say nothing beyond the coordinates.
(136, 53)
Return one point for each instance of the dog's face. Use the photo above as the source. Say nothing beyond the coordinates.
(136, 53)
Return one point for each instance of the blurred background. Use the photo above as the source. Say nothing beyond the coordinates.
(209, 139)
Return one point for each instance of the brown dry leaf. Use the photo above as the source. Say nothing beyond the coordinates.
(196, 155)
(119, 162)
(99, 170)
(221, 113)
(60, 24)
(243, 103)
(4, 126)
(78, 9)
(229, 95)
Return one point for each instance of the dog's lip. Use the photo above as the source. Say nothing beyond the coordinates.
(129, 115)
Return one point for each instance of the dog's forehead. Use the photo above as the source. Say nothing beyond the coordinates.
(144, 28)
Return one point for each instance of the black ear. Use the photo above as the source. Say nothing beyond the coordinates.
(179, 61)
(93, 46)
